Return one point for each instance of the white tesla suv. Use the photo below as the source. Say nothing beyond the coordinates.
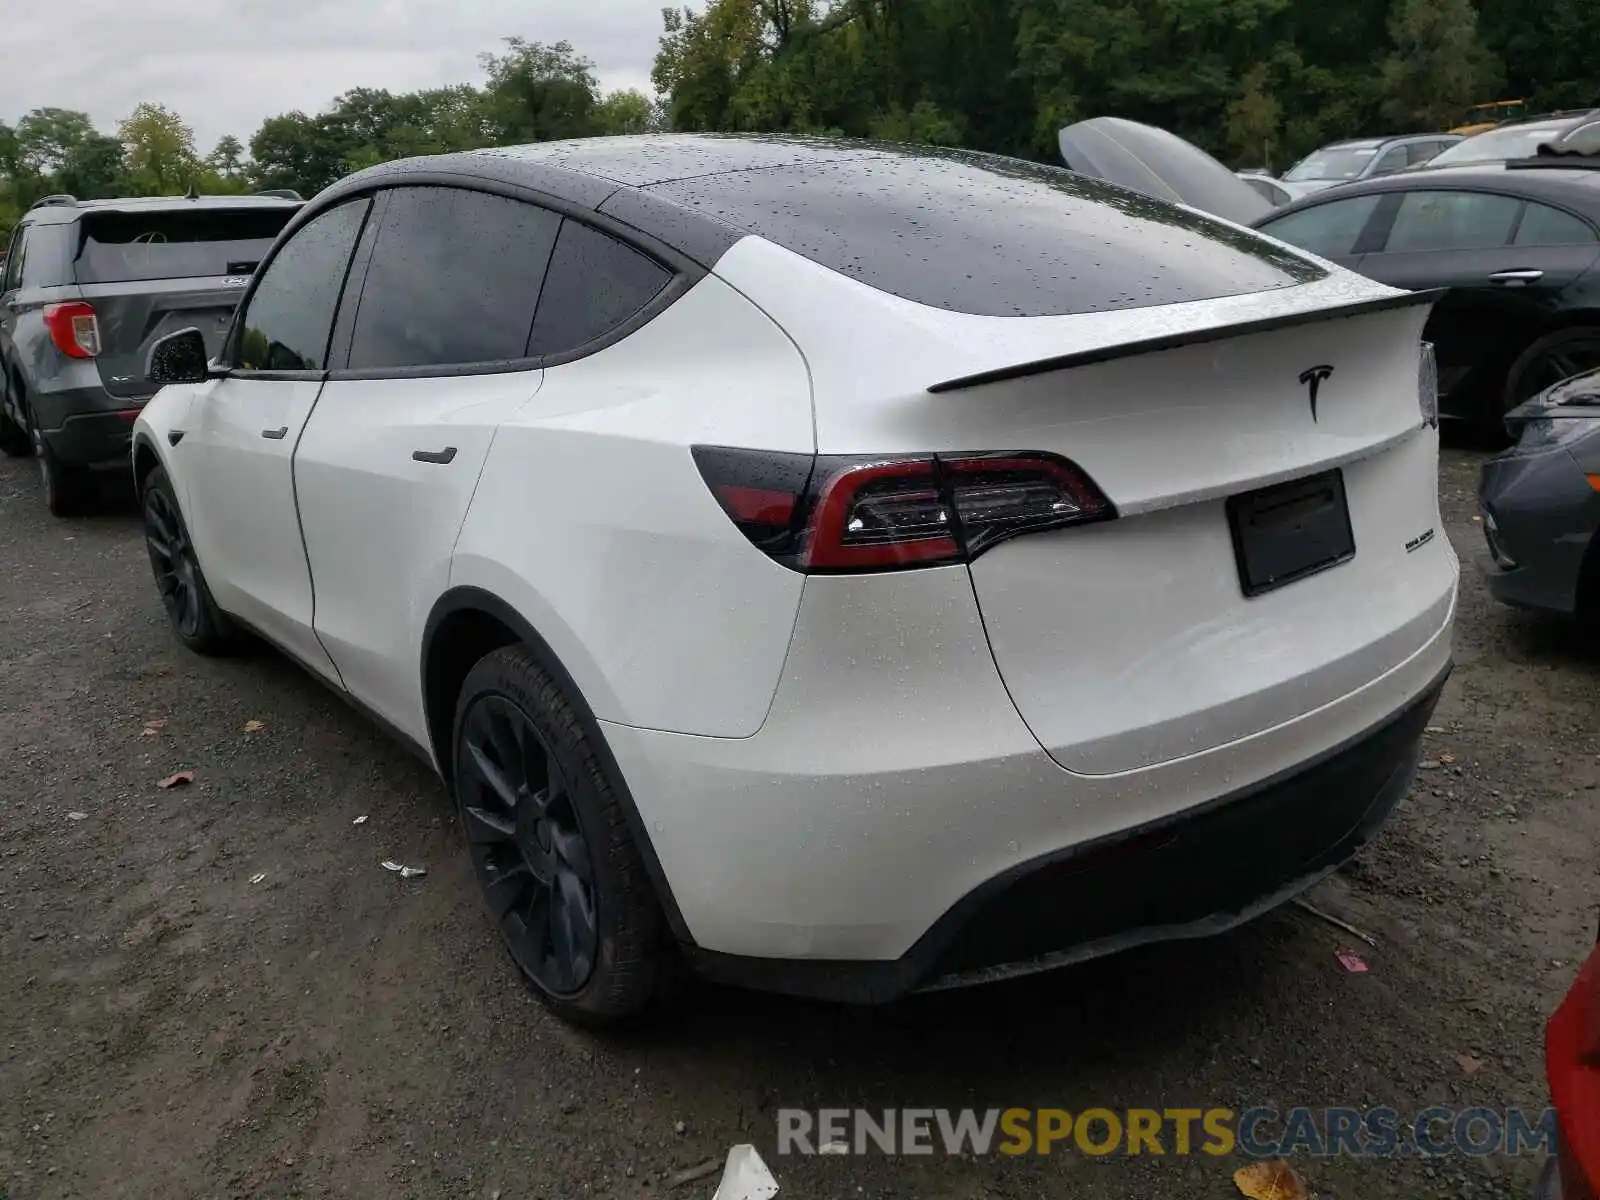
(847, 569)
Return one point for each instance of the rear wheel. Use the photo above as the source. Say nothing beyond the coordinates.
(196, 619)
(550, 845)
(69, 491)
(15, 440)
(1549, 360)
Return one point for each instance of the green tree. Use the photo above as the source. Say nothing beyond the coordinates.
(1438, 68)
(227, 160)
(159, 150)
(625, 112)
(538, 93)
(93, 169)
(296, 151)
(46, 136)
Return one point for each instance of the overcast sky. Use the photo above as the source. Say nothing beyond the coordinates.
(226, 64)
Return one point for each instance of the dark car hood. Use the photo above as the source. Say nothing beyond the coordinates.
(1159, 164)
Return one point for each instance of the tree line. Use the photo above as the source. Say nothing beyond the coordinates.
(1256, 82)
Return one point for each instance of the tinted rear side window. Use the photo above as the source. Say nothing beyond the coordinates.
(455, 279)
(595, 284)
(993, 236)
(121, 247)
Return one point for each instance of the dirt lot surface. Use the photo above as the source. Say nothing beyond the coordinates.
(214, 991)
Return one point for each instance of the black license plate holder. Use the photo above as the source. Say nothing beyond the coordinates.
(1289, 531)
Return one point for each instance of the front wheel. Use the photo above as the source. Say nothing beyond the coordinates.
(196, 619)
(1549, 360)
(550, 845)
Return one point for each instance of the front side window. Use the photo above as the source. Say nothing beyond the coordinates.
(595, 284)
(1330, 230)
(1392, 161)
(454, 279)
(289, 318)
(1452, 221)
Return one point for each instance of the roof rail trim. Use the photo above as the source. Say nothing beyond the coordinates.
(56, 200)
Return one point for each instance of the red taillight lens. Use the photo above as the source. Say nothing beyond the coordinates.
(73, 329)
(837, 513)
(1572, 1057)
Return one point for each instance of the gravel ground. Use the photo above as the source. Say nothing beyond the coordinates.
(215, 991)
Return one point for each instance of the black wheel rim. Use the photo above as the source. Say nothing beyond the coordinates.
(527, 845)
(1560, 362)
(172, 559)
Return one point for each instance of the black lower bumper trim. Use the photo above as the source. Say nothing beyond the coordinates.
(1200, 871)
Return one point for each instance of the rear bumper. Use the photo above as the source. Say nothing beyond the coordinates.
(1198, 873)
(88, 427)
(893, 792)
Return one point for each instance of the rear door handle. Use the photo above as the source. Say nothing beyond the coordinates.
(1517, 276)
(276, 435)
(447, 455)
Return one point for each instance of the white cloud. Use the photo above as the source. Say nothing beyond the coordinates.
(226, 65)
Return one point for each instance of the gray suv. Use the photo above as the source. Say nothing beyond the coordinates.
(88, 287)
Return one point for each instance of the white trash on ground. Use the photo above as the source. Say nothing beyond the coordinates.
(746, 1177)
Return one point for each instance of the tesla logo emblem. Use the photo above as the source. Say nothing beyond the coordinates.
(1313, 378)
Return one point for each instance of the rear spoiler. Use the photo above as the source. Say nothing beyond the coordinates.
(1173, 341)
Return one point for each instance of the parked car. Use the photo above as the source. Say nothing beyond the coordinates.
(1572, 1062)
(761, 543)
(1541, 503)
(88, 287)
(1517, 245)
(1267, 187)
(1517, 139)
(1362, 158)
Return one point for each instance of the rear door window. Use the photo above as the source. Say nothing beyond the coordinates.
(1452, 221)
(454, 280)
(124, 247)
(1331, 230)
(595, 284)
(289, 317)
(1546, 226)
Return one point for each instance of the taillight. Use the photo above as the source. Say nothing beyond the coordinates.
(835, 513)
(1572, 1057)
(73, 329)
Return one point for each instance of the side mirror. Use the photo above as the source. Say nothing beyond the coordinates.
(178, 358)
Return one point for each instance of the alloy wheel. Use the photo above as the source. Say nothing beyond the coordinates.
(528, 846)
(172, 558)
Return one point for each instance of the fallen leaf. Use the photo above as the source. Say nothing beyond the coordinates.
(77, 816)
(254, 726)
(1468, 1064)
(1351, 961)
(153, 727)
(177, 780)
(1447, 759)
(1270, 1180)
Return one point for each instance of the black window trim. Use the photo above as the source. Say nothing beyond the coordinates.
(226, 360)
(683, 273)
(1363, 240)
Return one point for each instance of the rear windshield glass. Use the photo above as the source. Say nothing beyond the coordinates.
(992, 236)
(1498, 145)
(123, 246)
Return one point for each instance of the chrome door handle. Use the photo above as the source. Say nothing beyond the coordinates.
(442, 457)
(276, 435)
(1517, 276)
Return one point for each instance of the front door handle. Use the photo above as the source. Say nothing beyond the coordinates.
(1517, 276)
(276, 435)
(447, 455)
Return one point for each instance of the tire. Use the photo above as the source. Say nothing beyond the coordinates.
(551, 847)
(195, 617)
(69, 491)
(1551, 358)
(15, 440)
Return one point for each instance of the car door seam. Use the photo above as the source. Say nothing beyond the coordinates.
(300, 528)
